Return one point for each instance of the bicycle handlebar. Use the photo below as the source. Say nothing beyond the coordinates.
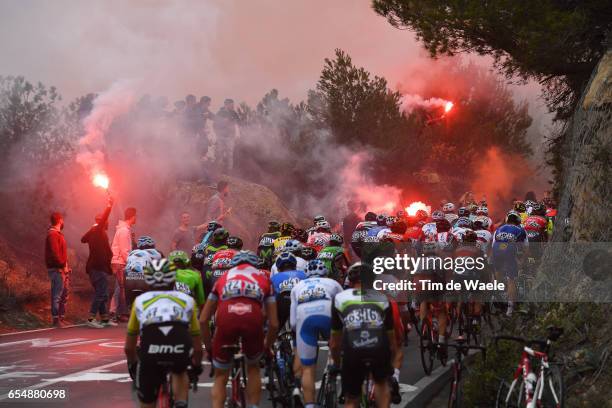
(461, 347)
(539, 342)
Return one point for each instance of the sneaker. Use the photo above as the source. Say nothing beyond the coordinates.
(94, 324)
(109, 323)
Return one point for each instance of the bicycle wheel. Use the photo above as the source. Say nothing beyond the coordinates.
(509, 396)
(164, 397)
(427, 347)
(554, 390)
(331, 394)
(321, 394)
(242, 383)
(455, 396)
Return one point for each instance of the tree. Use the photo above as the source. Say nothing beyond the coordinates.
(556, 42)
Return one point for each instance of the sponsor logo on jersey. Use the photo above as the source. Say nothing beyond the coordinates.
(239, 308)
(166, 349)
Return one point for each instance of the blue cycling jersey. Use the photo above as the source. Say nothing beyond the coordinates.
(506, 237)
(285, 281)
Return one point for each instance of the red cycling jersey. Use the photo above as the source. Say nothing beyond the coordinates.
(241, 293)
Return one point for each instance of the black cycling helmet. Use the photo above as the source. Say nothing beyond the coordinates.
(463, 212)
(381, 220)
(370, 216)
(273, 226)
(442, 225)
(317, 219)
(234, 243)
(308, 253)
(336, 240)
(300, 234)
(220, 236)
(513, 217)
(538, 209)
(213, 225)
(520, 207)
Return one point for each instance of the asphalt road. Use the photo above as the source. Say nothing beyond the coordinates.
(90, 366)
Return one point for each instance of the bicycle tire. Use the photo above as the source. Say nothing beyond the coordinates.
(455, 396)
(514, 401)
(427, 347)
(321, 394)
(331, 394)
(553, 374)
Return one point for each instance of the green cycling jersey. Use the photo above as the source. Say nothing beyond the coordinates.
(189, 282)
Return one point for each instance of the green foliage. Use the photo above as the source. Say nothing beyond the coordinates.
(556, 42)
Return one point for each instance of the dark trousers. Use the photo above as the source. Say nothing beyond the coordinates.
(99, 281)
(60, 289)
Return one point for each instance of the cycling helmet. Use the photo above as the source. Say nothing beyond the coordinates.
(316, 267)
(220, 236)
(137, 260)
(336, 240)
(443, 225)
(318, 219)
(463, 222)
(448, 207)
(538, 209)
(520, 207)
(180, 259)
(287, 229)
(145, 242)
(354, 272)
(213, 225)
(390, 220)
(421, 215)
(248, 257)
(160, 274)
(472, 208)
(463, 212)
(234, 243)
(437, 215)
(469, 236)
(222, 259)
(273, 226)
(481, 222)
(482, 210)
(513, 217)
(381, 219)
(370, 216)
(323, 226)
(286, 259)
(308, 253)
(293, 246)
(429, 247)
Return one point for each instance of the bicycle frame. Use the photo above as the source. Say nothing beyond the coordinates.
(533, 395)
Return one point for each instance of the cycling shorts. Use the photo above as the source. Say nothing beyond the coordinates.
(235, 319)
(283, 307)
(164, 347)
(507, 265)
(357, 364)
(313, 320)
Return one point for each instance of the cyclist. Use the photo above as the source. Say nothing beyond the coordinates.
(188, 280)
(521, 209)
(319, 238)
(315, 221)
(295, 247)
(286, 233)
(218, 242)
(220, 263)
(311, 301)
(449, 212)
(210, 228)
(154, 315)
(265, 248)
(235, 243)
(308, 253)
(334, 258)
(282, 283)
(137, 260)
(363, 333)
(481, 226)
(361, 231)
(483, 211)
(237, 300)
(507, 241)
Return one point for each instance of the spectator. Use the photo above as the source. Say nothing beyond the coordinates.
(121, 247)
(215, 209)
(98, 267)
(225, 130)
(184, 237)
(56, 259)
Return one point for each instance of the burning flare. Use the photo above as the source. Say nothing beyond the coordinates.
(416, 206)
(448, 106)
(101, 180)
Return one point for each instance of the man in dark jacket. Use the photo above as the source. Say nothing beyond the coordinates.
(56, 259)
(98, 267)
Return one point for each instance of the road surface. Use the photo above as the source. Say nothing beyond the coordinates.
(90, 366)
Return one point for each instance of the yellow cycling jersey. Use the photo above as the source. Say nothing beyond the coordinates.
(163, 307)
(279, 244)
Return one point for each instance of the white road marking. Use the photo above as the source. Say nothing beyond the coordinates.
(39, 330)
(47, 383)
(113, 344)
(46, 342)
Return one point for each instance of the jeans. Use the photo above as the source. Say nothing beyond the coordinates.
(99, 282)
(60, 288)
(118, 306)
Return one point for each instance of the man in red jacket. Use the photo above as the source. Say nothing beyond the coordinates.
(56, 259)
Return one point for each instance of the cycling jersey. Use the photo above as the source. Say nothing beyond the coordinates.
(506, 241)
(163, 307)
(429, 229)
(374, 234)
(311, 302)
(189, 282)
(279, 244)
(241, 293)
(265, 248)
(283, 283)
(318, 240)
(484, 240)
(365, 319)
(446, 241)
(535, 227)
(335, 260)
